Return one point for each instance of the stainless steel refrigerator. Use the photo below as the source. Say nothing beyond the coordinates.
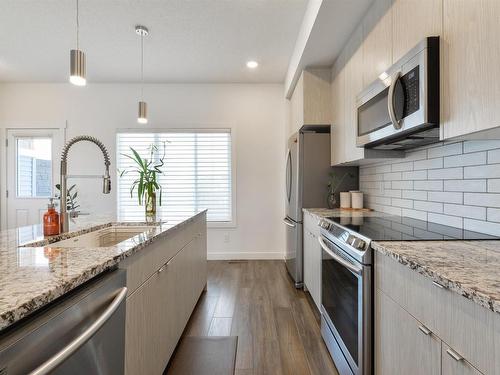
(307, 176)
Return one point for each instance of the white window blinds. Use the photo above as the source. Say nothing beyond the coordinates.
(196, 174)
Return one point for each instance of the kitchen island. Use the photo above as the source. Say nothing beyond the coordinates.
(165, 264)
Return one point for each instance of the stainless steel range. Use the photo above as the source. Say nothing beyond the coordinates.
(347, 279)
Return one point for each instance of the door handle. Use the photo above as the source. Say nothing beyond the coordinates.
(49, 365)
(339, 259)
(390, 101)
(453, 354)
(425, 330)
(289, 223)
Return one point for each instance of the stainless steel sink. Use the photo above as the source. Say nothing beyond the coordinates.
(105, 237)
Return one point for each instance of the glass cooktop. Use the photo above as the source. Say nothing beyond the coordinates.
(401, 228)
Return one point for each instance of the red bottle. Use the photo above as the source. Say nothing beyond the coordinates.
(51, 220)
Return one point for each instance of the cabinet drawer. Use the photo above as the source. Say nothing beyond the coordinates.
(455, 364)
(142, 265)
(311, 223)
(469, 328)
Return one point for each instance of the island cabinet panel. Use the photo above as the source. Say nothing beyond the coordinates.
(470, 67)
(412, 21)
(467, 327)
(402, 344)
(159, 309)
(453, 364)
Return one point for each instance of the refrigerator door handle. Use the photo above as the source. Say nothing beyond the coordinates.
(289, 175)
(73, 346)
(289, 222)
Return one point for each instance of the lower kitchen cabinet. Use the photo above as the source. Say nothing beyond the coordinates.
(312, 258)
(455, 364)
(402, 344)
(159, 309)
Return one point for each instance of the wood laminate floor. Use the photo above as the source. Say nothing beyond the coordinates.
(278, 330)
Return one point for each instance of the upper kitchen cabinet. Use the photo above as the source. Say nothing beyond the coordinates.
(470, 67)
(412, 21)
(338, 111)
(311, 99)
(377, 45)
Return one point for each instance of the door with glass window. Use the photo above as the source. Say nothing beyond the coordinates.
(32, 160)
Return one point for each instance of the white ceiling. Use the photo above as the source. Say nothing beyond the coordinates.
(189, 41)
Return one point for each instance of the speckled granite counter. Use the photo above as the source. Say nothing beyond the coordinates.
(469, 268)
(31, 277)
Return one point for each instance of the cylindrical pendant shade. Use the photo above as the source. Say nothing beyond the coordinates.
(77, 68)
(142, 118)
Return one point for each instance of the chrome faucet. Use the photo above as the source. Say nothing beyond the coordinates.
(106, 187)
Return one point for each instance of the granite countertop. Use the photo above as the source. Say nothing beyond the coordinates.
(31, 277)
(469, 268)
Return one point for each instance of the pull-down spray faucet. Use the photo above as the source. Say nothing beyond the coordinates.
(106, 187)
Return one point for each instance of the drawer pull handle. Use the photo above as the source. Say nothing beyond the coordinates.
(438, 285)
(425, 330)
(453, 354)
(162, 268)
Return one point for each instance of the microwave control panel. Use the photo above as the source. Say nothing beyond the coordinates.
(410, 84)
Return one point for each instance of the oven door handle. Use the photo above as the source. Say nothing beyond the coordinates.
(390, 101)
(351, 267)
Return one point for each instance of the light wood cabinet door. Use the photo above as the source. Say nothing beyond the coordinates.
(297, 105)
(453, 364)
(402, 344)
(377, 36)
(312, 266)
(353, 86)
(412, 21)
(470, 67)
(337, 136)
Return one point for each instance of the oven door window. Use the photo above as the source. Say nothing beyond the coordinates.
(340, 299)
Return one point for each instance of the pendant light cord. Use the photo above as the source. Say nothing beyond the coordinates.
(77, 26)
(142, 66)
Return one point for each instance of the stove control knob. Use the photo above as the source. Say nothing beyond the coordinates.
(358, 244)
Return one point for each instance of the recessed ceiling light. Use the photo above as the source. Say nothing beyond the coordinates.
(252, 64)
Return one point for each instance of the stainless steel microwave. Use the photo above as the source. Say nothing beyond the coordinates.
(400, 110)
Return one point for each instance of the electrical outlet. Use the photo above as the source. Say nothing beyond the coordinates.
(226, 238)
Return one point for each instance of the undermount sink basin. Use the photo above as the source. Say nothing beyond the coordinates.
(105, 237)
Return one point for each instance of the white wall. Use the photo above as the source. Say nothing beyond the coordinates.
(255, 112)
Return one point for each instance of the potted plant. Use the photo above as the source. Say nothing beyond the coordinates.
(71, 195)
(147, 170)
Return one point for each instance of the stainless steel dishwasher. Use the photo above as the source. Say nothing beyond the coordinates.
(84, 333)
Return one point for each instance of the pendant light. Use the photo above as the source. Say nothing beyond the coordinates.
(142, 117)
(77, 66)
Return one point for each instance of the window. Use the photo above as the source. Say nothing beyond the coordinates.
(196, 174)
(33, 167)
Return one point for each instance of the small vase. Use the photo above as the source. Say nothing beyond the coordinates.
(331, 200)
(150, 205)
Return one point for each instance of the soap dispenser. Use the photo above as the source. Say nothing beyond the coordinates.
(51, 220)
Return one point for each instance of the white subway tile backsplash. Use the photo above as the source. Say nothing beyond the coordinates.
(415, 175)
(446, 174)
(446, 197)
(473, 146)
(494, 156)
(449, 149)
(428, 206)
(482, 199)
(455, 184)
(475, 158)
(435, 185)
(414, 194)
(482, 226)
(428, 164)
(482, 171)
(494, 186)
(402, 185)
(405, 203)
(472, 212)
(451, 221)
(493, 214)
(465, 185)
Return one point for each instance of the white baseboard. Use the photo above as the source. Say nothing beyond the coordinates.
(245, 255)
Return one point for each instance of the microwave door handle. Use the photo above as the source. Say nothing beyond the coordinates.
(351, 267)
(390, 101)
